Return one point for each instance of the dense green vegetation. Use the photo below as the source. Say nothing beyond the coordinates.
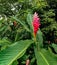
(17, 43)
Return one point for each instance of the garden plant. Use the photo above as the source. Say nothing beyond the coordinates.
(28, 32)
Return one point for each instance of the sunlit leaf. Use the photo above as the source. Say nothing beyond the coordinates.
(13, 52)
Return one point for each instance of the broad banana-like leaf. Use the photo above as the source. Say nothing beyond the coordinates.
(45, 57)
(16, 50)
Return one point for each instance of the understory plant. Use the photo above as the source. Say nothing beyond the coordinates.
(17, 52)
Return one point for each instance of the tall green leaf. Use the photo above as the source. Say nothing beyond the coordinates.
(40, 38)
(45, 57)
(13, 52)
(29, 20)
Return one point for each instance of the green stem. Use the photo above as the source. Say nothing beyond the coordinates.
(16, 36)
(35, 52)
(35, 41)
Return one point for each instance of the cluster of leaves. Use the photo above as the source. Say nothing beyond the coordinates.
(12, 30)
(35, 49)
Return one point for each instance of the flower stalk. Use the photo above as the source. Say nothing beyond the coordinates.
(36, 25)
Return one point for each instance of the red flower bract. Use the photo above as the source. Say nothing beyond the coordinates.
(36, 23)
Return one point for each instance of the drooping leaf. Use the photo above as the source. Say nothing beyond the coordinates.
(22, 23)
(13, 52)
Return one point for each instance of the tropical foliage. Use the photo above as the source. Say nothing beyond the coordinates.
(28, 32)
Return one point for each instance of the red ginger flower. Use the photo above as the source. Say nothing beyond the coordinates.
(36, 23)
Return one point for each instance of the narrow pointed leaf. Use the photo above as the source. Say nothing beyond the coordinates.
(29, 20)
(40, 38)
(22, 23)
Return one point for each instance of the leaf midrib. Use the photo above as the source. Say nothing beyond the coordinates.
(44, 58)
(18, 55)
